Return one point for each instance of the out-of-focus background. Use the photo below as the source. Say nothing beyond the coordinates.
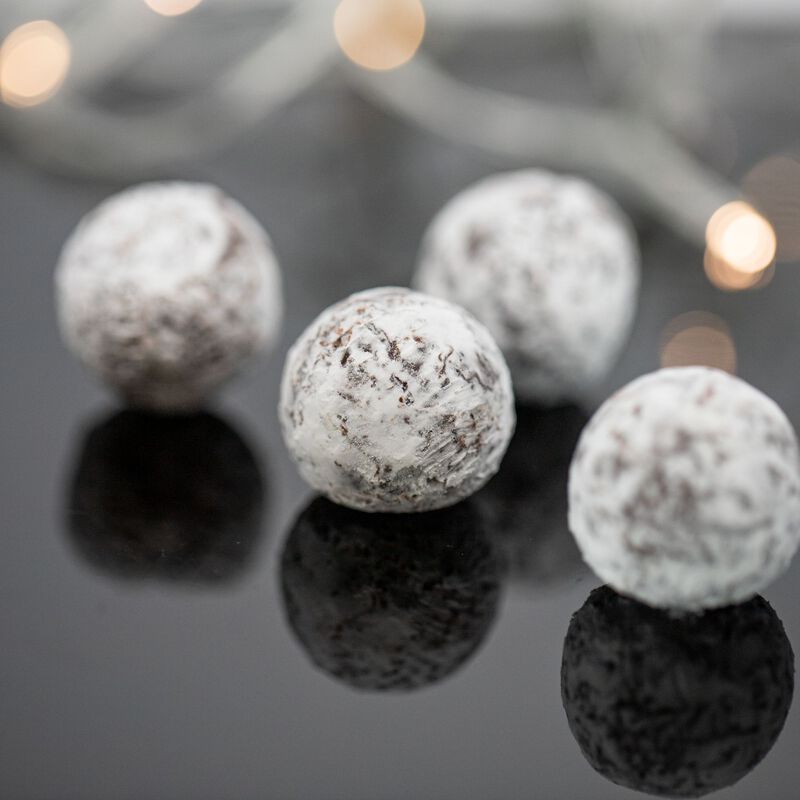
(151, 651)
(637, 94)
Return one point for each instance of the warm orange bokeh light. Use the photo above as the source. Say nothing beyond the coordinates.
(698, 338)
(740, 247)
(172, 8)
(379, 34)
(34, 61)
(725, 277)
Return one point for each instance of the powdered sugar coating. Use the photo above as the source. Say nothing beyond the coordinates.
(549, 264)
(684, 491)
(165, 289)
(395, 401)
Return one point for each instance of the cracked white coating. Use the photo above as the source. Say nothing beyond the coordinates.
(165, 289)
(395, 401)
(549, 264)
(684, 491)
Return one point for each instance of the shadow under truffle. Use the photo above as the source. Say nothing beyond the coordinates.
(174, 498)
(675, 706)
(389, 602)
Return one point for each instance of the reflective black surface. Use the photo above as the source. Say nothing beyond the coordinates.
(388, 602)
(675, 706)
(526, 503)
(147, 651)
(172, 498)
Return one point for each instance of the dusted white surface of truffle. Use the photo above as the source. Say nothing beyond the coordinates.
(684, 491)
(396, 401)
(549, 264)
(165, 289)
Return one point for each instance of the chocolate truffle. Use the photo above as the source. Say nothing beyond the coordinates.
(675, 706)
(549, 264)
(165, 289)
(684, 491)
(389, 602)
(395, 401)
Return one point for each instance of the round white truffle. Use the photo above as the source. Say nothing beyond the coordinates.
(396, 401)
(165, 289)
(684, 491)
(550, 265)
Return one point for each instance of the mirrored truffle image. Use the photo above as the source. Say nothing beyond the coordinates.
(675, 706)
(684, 491)
(386, 602)
(165, 290)
(550, 265)
(525, 504)
(176, 498)
(392, 401)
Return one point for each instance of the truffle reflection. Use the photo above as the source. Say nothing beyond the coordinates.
(388, 602)
(176, 498)
(526, 502)
(675, 706)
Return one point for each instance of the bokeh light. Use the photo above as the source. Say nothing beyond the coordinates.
(698, 338)
(172, 8)
(34, 61)
(741, 237)
(379, 34)
(740, 247)
(729, 279)
(773, 186)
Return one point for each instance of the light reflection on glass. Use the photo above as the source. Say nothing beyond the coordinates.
(698, 338)
(379, 34)
(34, 61)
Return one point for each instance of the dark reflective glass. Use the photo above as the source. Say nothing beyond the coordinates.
(388, 602)
(526, 502)
(677, 706)
(173, 498)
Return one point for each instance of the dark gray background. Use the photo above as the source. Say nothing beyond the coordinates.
(167, 689)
